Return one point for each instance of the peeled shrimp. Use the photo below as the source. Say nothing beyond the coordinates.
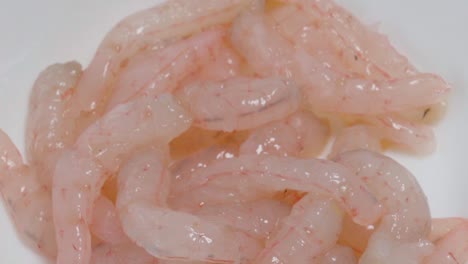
(452, 249)
(106, 223)
(252, 176)
(143, 30)
(402, 234)
(301, 134)
(312, 227)
(339, 255)
(356, 137)
(121, 254)
(97, 155)
(240, 103)
(49, 128)
(442, 226)
(168, 234)
(325, 88)
(28, 201)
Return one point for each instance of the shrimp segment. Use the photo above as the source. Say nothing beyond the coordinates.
(49, 128)
(402, 235)
(339, 255)
(311, 228)
(169, 234)
(27, 200)
(301, 134)
(121, 254)
(241, 103)
(452, 249)
(143, 30)
(356, 137)
(252, 176)
(106, 223)
(97, 155)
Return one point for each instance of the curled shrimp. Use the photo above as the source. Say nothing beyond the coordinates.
(312, 227)
(49, 128)
(105, 223)
(28, 201)
(250, 177)
(144, 30)
(167, 234)
(451, 249)
(97, 155)
(301, 134)
(240, 103)
(402, 234)
(325, 88)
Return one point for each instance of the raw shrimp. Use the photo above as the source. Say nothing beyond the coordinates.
(28, 201)
(172, 20)
(106, 223)
(301, 134)
(443, 226)
(49, 129)
(452, 249)
(256, 218)
(339, 255)
(121, 254)
(252, 176)
(325, 88)
(312, 228)
(240, 103)
(402, 234)
(168, 234)
(97, 155)
(161, 71)
(356, 137)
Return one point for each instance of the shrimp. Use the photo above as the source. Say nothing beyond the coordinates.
(28, 201)
(240, 103)
(442, 226)
(325, 88)
(339, 255)
(49, 129)
(402, 235)
(257, 218)
(250, 177)
(97, 155)
(106, 223)
(301, 134)
(356, 137)
(167, 234)
(144, 30)
(311, 228)
(121, 254)
(452, 249)
(160, 71)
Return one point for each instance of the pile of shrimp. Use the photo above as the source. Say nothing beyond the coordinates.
(231, 131)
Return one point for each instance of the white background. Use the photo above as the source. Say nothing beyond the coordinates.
(433, 33)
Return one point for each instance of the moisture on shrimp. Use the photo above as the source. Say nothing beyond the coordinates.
(231, 131)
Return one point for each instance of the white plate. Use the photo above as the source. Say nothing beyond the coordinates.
(432, 33)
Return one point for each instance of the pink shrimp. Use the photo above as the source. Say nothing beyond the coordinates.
(28, 201)
(452, 249)
(121, 254)
(339, 255)
(143, 30)
(49, 129)
(97, 155)
(161, 71)
(240, 103)
(301, 134)
(250, 177)
(402, 235)
(257, 218)
(442, 226)
(106, 223)
(312, 227)
(167, 234)
(356, 137)
(325, 88)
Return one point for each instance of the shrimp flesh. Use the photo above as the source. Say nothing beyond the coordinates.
(301, 134)
(339, 255)
(451, 249)
(121, 254)
(402, 234)
(240, 103)
(312, 227)
(168, 234)
(442, 226)
(106, 223)
(49, 128)
(356, 137)
(97, 155)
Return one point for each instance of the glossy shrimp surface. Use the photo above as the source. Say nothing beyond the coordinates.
(231, 131)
